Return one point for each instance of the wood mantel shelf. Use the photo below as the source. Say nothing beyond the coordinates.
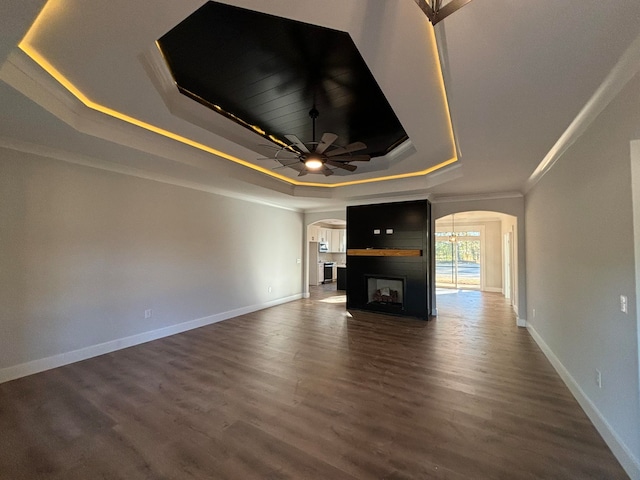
(384, 252)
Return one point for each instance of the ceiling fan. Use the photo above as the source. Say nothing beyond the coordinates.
(318, 157)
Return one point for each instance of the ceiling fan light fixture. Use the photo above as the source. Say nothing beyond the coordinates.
(319, 157)
(313, 163)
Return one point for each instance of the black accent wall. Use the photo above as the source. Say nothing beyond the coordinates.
(411, 225)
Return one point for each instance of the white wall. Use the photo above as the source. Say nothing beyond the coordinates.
(635, 171)
(580, 259)
(493, 256)
(84, 252)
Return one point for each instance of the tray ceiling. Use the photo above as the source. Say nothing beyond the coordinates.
(111, 66)
(88, 82)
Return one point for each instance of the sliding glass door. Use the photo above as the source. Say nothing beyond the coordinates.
(458, 259)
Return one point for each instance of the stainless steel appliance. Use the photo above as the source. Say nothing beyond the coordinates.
(323, 247)
(328, 271)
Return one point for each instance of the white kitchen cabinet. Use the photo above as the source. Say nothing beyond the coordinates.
(338, 242)
(320, 273)
(343, 240)
(334, 273)
(314, 233)
(325, 237)
(335, 238)
(335, 241)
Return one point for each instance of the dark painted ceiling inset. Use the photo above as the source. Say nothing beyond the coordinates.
(269, 72)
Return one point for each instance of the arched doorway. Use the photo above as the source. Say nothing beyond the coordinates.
(325, 244)
(476, 250)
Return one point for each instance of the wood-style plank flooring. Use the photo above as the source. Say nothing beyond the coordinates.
(303, 391)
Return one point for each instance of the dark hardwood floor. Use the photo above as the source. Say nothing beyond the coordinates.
(304, 391)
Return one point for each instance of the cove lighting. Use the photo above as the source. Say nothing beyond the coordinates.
(55, 7)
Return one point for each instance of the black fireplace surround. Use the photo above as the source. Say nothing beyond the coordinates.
(389, 258)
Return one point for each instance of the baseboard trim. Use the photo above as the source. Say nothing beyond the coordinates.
(626, 458)
(492, 289)
(42, 364)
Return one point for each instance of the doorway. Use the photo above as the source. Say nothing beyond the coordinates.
(459, 258)
(475, 251)
(326, 253)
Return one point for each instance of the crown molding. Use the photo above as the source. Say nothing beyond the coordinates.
(625, 69)
(476, 197)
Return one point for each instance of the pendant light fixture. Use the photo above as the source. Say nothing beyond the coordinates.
(453, 237)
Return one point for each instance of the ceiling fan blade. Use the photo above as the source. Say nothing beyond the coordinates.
(326, 141)
(298, 143)
(327, 171)
(352, 147)
(281, 158)
(285, 165)
(352, 158)
(344, 166)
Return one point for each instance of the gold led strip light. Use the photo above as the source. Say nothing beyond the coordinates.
(54, 7)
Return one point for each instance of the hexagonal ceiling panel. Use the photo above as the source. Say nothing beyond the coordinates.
(266, 73)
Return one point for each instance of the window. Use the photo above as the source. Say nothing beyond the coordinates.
(458, 263)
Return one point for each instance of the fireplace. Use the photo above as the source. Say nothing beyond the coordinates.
(384, 291)
(389, 258)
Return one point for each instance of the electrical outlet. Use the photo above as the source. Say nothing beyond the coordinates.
(269, 289)
(598, 378)
(623, 304)
(534, 313)
(148, 313)
(298, 261)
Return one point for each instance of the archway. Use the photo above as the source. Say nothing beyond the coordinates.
(502, 223)
(473, 250)
(325, 243)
